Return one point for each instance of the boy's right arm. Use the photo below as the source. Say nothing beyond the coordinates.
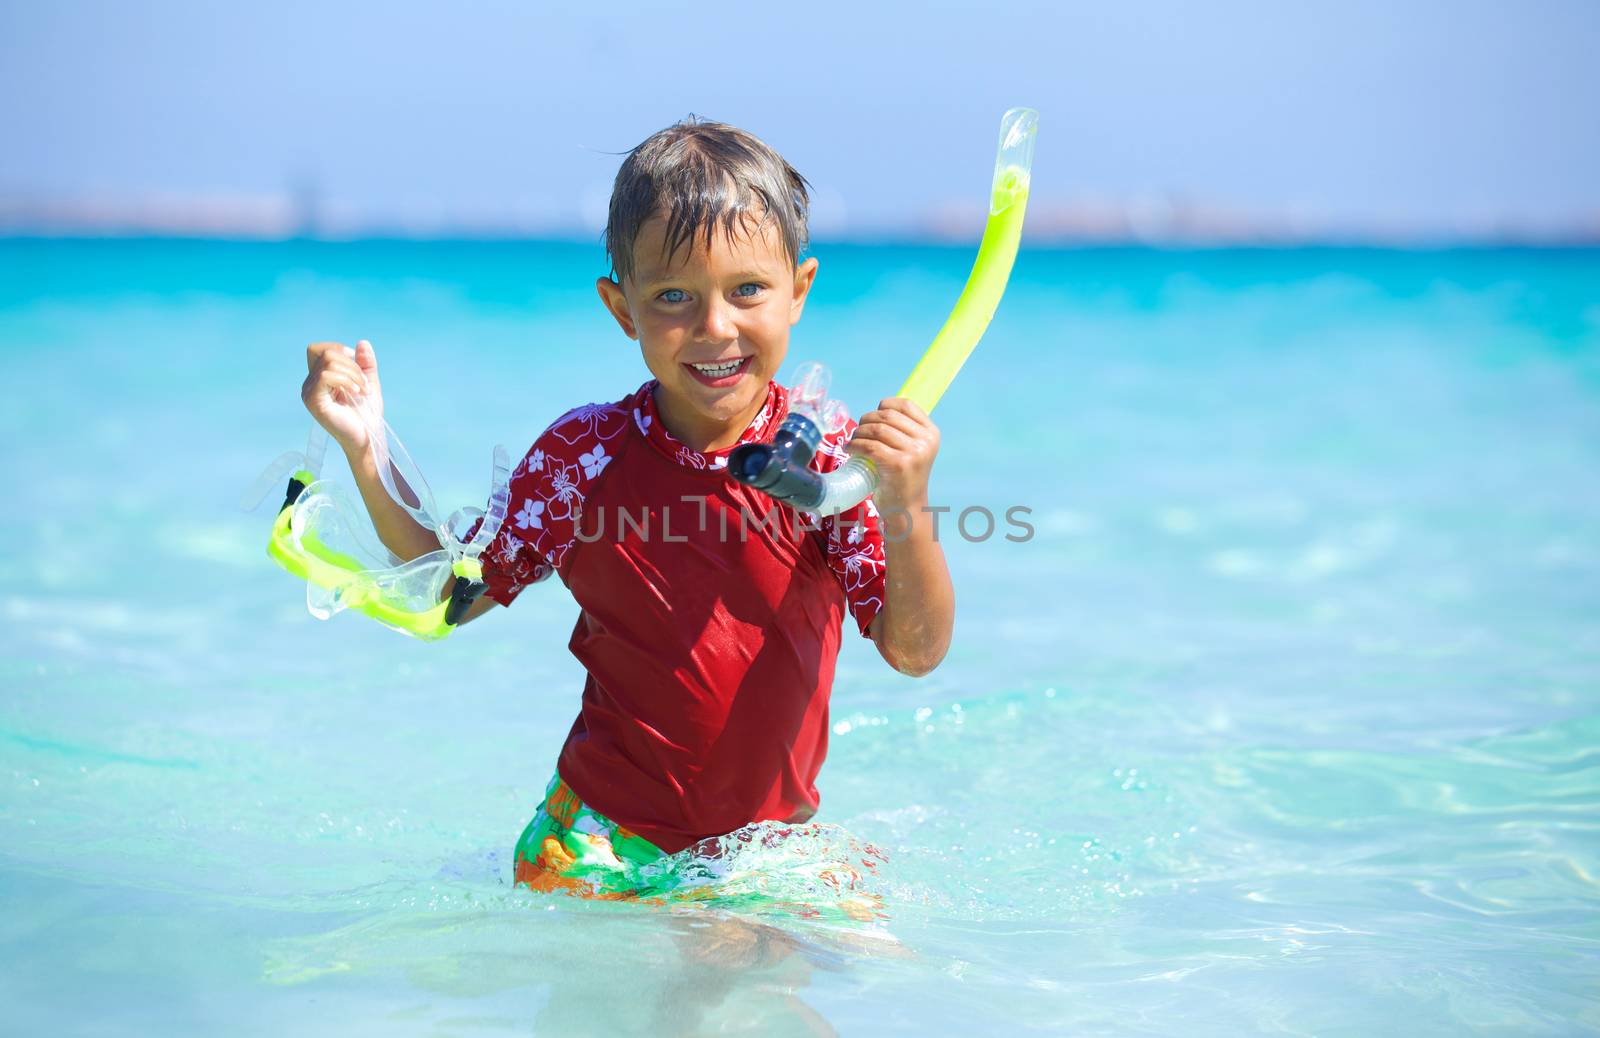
(339, 384)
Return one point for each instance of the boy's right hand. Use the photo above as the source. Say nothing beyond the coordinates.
(341, 391)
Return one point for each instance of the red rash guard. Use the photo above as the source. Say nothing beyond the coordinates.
(710, 618)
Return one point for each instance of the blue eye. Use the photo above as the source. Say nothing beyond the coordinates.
(673, 295)
(755, 289)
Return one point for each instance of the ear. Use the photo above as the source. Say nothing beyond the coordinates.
(617, 304)
(804, 274)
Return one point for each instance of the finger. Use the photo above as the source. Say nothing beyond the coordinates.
(347, 367)
(888, 435)
(320, 349)
(885, 457)
(865, 449)
(333, 382)
(348, 394)
(905, 405)
(349, 370)
(905, 424)
(901, 416)
(367, 359)
(330, 356)
(901, 420)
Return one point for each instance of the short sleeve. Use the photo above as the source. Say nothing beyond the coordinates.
(510, 562)
(547, 491)
(853, 541)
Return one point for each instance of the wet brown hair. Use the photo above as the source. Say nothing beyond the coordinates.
(702, 176)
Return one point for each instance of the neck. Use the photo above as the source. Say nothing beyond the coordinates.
(700, 433)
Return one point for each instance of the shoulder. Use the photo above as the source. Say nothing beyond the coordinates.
(556, 475)
(589, 424)
(588, 435)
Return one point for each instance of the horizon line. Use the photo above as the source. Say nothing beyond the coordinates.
(886, 237)
(1158, 221)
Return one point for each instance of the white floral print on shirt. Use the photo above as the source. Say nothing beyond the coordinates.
(556, 475)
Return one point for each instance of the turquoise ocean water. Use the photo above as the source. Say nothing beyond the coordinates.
(1287, 719)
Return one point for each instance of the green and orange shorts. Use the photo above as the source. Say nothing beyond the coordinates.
(572, 848)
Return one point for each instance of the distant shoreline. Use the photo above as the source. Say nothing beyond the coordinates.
(1160, 222)
(1031, 242)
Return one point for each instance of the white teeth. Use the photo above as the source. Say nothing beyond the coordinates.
(718, 370)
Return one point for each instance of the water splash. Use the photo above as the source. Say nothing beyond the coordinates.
(809, 872)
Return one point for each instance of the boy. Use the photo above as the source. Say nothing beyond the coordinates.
(710, 616)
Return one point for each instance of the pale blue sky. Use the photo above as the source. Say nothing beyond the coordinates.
(1432, 111)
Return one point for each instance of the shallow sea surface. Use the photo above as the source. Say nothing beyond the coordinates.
(1286, 719)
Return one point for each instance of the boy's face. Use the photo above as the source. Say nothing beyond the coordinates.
(713, 323)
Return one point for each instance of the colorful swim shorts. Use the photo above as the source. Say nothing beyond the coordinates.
(570, 847)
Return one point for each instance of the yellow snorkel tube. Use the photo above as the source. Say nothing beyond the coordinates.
(1008, 202)
(780, 468)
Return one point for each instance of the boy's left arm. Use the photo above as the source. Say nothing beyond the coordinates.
(912, 630)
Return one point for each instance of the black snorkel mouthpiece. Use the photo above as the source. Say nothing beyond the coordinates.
(782, 469)
(462, 595)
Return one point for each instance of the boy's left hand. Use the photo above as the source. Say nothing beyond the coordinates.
(901, 440)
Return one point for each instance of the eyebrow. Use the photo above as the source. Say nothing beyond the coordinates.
(650, 279)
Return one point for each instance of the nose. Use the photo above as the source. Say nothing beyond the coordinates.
(716, 322)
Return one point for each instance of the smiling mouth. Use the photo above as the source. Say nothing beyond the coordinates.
(720, 373)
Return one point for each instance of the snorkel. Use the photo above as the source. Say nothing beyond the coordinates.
(324, 537)
(782, 469)
(320, 536)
